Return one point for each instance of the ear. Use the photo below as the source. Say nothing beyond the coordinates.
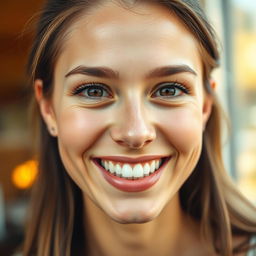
(208, 102)
(46, 109)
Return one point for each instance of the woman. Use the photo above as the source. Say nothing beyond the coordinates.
(130, 156)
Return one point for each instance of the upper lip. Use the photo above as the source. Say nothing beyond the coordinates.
(126, 159)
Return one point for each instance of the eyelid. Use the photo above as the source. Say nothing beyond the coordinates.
(82, 86)
(181, 86)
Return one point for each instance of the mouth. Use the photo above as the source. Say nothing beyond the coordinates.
(131, 171)
(131, 175)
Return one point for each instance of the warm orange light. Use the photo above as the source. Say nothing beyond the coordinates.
(23, 176)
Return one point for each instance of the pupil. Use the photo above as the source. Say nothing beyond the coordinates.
(167, 91)
(95, 92)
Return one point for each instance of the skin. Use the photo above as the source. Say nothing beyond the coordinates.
(130, 122)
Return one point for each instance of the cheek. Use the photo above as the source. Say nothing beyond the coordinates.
(183, 128)
(79, 129)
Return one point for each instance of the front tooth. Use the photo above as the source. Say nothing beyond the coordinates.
(111, 167)
(137, 171)
(146, 169)
(157, 164)
(118, 170)
(127, 171)
(152, 166)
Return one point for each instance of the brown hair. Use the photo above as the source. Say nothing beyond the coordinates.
(208, 195)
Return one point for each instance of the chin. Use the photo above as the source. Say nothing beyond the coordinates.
(133, 220)
(134, 217)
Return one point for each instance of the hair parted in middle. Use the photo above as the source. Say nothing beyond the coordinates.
(207, 195)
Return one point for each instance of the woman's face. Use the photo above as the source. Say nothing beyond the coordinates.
(128, 96)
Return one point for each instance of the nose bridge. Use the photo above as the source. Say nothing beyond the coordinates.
(136, 122)
(133, 127)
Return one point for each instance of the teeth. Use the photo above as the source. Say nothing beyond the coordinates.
(118, 170)
(111, 167)
(131, 172)
(152, 166)
(157, 164)
(146, 169)
(105, 165)
(138, 171)
(127, 171)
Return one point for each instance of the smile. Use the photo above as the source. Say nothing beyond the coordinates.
(131, 175)
(131, 171)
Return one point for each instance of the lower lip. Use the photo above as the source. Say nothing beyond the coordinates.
(127, 185)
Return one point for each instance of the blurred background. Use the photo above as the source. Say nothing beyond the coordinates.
(235, 22)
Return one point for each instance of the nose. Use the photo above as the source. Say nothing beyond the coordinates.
(133, 128)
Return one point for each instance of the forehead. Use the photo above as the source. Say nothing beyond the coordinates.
(112, 32)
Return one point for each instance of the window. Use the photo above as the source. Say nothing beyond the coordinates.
(235, 22)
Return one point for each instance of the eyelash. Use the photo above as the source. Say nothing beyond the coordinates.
(91, 85)
(160, 86)
(175, 85)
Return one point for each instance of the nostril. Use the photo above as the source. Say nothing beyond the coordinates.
(120, 142)
(138, 144)
(148, 141)
(145, 143)
(133, 143)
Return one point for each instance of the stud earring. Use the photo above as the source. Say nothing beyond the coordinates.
(52, 130)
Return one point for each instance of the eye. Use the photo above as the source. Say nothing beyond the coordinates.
(92, 91)
(170, 90)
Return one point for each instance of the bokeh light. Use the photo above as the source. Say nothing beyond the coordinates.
(24, 175)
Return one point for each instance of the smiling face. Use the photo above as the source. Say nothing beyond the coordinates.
(128, 97)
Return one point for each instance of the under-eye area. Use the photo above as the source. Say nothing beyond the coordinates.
(132, 171)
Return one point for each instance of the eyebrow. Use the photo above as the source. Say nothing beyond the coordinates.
(104, 72)
(170, 70)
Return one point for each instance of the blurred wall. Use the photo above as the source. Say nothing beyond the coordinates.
(15, 38)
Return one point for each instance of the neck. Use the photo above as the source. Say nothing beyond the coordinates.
(165, 235)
